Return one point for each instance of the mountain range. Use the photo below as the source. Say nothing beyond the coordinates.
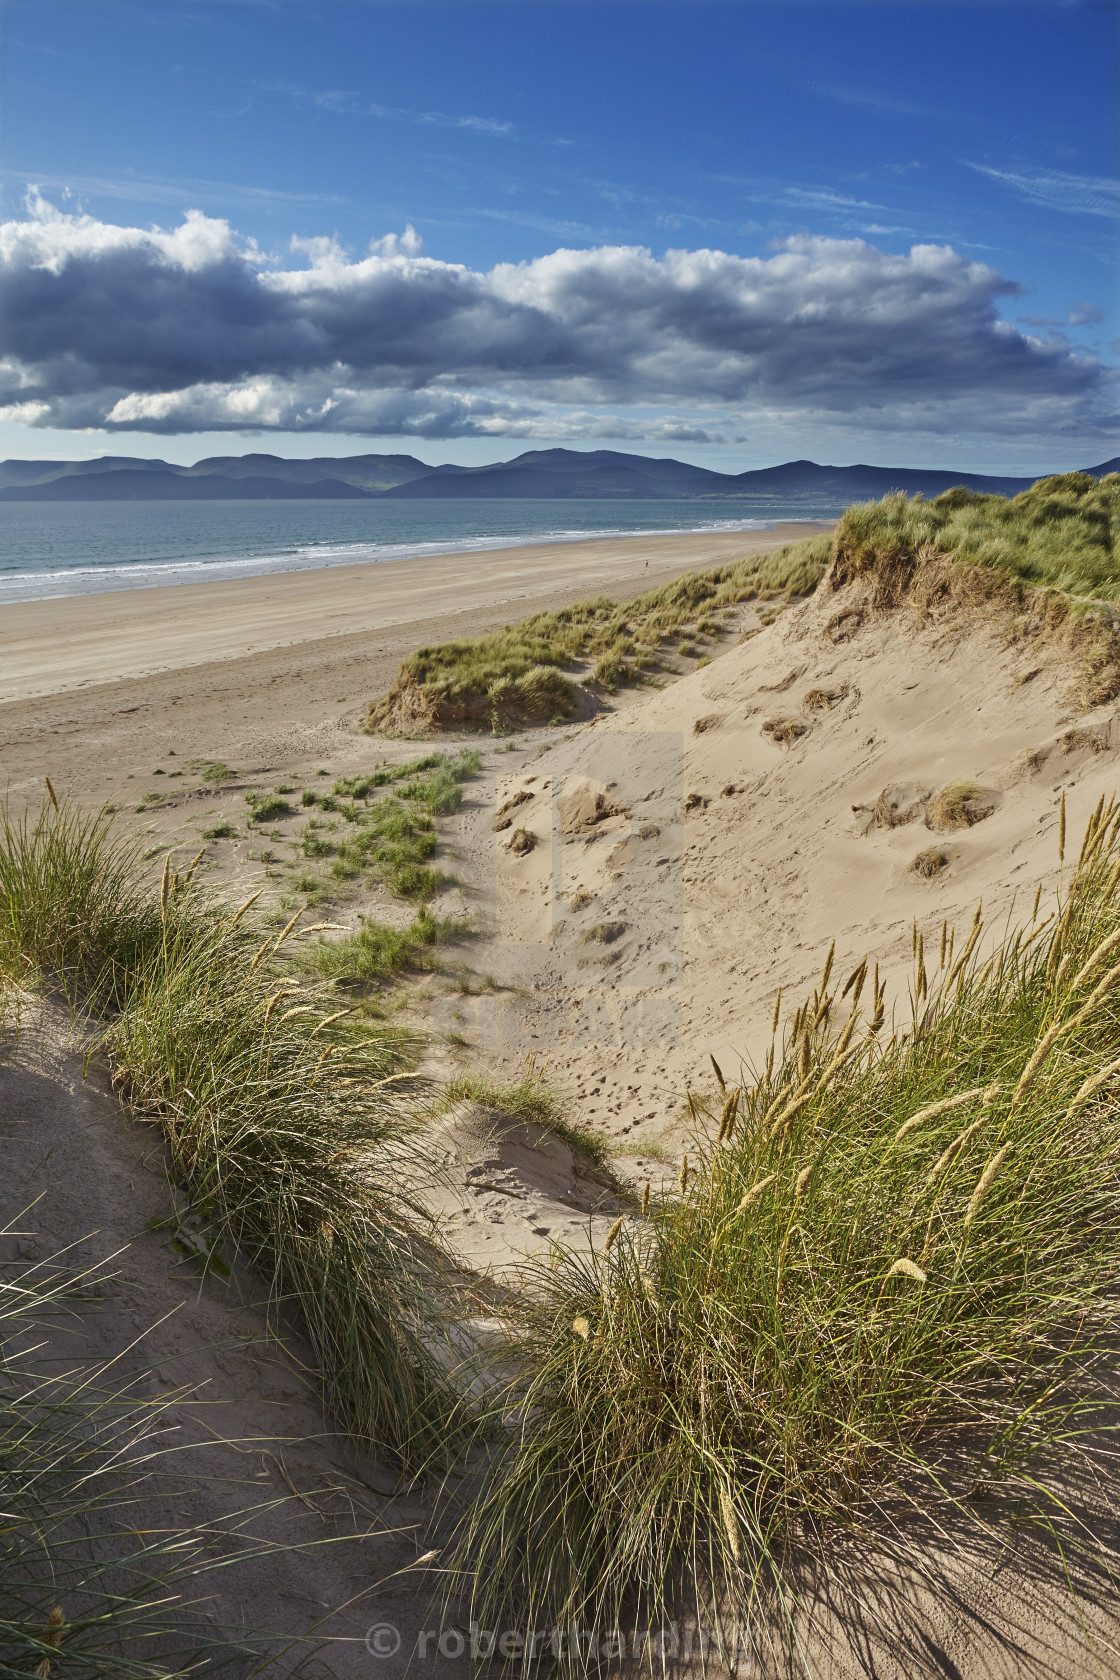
(558, 474)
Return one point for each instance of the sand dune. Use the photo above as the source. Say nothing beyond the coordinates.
(664, 869)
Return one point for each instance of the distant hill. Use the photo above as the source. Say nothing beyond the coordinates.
(555, 474)
(602, 473)
(368, 472)
(371, 473)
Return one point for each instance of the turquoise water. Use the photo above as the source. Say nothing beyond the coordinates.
(81, 548)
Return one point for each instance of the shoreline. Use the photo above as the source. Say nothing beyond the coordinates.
(62, 644)
(187, 570)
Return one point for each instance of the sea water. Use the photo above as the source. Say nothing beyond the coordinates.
(79, 548)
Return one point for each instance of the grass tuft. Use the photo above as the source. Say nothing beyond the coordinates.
(1062, 533)
(930, 862)
(266, 807)
(376, 952)
(959, 805)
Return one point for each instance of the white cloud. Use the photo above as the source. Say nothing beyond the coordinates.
(1086, 195)
(347, 101)
(192, 329)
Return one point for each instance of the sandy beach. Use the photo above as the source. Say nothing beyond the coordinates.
(259, 669)
(54, 646)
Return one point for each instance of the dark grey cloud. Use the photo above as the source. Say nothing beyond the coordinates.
(193, 329)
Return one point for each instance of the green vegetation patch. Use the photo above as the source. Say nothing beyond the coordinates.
(266, 807)
(212, 770)
(376, 952)
(531, 1098)
(514, 677)
(395, 837)
(1063, 533)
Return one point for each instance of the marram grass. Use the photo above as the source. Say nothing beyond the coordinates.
(894, 1275)
(282, 1114)
(1063, 532)
(284, 1128)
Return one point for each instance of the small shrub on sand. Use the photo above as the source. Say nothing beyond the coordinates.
(266, 807)
(892, 1276)
(785, 731)
(603, 933)
(959, 805)
(220, 831)
(521, 841)
(823, 699)
(930, 863)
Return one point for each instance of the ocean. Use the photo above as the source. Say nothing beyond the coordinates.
(81, 548)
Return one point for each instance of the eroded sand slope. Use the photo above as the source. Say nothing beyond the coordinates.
(692, 853)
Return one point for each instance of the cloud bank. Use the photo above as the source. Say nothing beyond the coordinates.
(194, 329)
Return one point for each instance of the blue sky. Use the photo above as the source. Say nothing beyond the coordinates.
(911, 209)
